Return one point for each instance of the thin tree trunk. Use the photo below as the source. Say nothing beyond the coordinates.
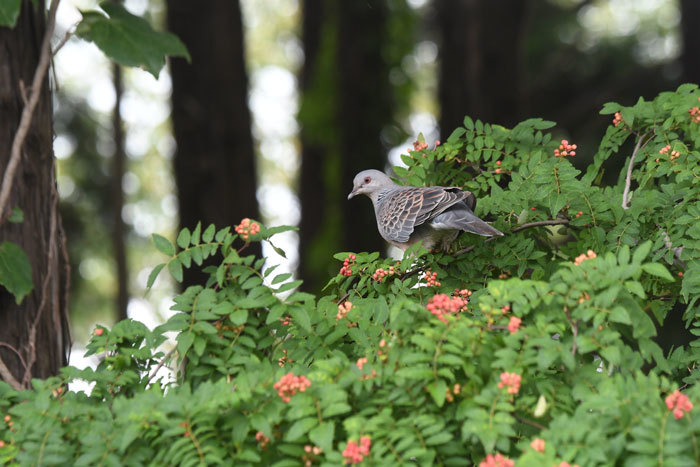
(215, 168)
(34, 333)
(118, 232)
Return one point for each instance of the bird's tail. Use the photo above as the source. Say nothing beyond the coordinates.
(464, 219)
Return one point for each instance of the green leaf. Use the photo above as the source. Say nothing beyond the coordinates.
(281, 277)
(163, 245)
(128, 39)
(641, 252)
(15, 270)
(658, 270)
(300, 427)
(610, 108)
(208, 234)
(9, 12)
(438, 389)
(183, 239)
(153, 275)
(301, 317)
(289, 286)
(175, 269)
(239, 317)
(16, 216)
(322, 436)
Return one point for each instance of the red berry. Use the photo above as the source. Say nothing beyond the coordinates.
(98, 331)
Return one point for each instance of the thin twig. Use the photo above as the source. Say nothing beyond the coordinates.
(7, 376)
(160, 365)
(50, 269)
(28, 112)
(628, 179)
(63, 41)
(16, 352)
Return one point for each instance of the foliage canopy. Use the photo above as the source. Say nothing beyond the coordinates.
(557, 341)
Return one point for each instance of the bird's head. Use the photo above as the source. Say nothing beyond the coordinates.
(369, 182)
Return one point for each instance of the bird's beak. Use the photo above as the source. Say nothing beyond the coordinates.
(353, 192)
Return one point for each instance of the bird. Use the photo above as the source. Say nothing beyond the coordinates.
(433, 215)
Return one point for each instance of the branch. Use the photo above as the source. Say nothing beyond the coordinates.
(6, 375)
(160, 365)
(28, 112)
(517, 229)
(628, 179)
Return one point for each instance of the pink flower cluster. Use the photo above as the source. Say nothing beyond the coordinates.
(565, 149)
(514, 324)
(289, 384)
(354, 453)
(679, 403)
(673, 155)
(441, 305)
(618, 119)
(590, 254)
(537, 444)
(381, 273)
(346, 270)
(511, 381)
(431, 279)
(343, 310)
(499, 460)
(695, 114)
(247, 228)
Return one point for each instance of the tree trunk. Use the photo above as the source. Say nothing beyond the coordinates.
(215, 161)
(118, 227)
(347, 102)
(690, 15)
(34, 333)
(481, 61)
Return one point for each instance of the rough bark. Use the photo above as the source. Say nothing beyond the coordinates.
(35, 332)
(481, 60)
(214, 162)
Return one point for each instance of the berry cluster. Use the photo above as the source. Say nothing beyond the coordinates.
(590, 254)
(565, 149)
(289, 384)
(312, 452)
(499, 460)
(665, 149)
(695, 114)
(679, 403)
(346, 269)
(618, 119)
(286, 321)
(98, 332)
(511, 381)
(566, 464)
(361, 363)
(354, 453)
(579, 214)
(284, 359)
(381, 273)
(261, 439)
(514, 324)
(464, 293)
(537, 444)
(419, 146)
(450, 393)
(441, 305)
(343, 309)
(431, 279)
(247, 228)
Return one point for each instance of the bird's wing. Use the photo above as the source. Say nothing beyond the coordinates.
(404, 209)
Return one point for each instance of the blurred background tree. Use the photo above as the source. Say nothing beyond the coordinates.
(333, 87)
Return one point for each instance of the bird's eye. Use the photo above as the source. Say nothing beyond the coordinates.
(367, 179)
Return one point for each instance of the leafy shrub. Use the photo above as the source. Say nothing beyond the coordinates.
(537, 347)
